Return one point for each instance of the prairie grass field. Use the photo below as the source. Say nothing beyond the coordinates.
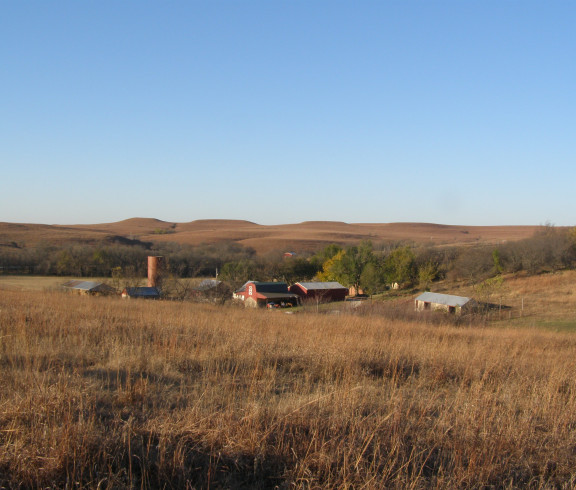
(33, 283)
(97, 392)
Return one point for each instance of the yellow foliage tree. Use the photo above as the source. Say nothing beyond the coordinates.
(328, 274)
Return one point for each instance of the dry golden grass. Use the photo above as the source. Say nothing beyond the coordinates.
(554, 293)
(100, 392)
(47, 283)
(36, 283)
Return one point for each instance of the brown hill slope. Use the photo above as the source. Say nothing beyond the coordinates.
(26, 235)
(309, 235)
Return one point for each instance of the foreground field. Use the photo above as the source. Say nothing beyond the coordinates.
(36, 283)
(101, 392)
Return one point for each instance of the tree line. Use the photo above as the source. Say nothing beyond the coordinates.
(104, 259)
(366, 266)
(374, 268)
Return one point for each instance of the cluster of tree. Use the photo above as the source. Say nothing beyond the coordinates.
(271, 267)
(376, 268)
(202, 260)
(365, 266)
(550, 249)
(105, 259)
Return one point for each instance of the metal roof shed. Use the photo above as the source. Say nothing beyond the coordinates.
(444, 302)
(208, 284)
(328, 291)
(88, 287)
(141, 292)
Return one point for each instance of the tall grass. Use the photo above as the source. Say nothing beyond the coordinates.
(99, 392)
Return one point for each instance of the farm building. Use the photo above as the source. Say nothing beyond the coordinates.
(89, 287)
(211, 290)
(353, 292)
(255, 294)
(323, 291)
(444, 302)
(208, 284)
(155, 268)
(141, 292)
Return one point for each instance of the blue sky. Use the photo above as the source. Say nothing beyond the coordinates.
(455, 112)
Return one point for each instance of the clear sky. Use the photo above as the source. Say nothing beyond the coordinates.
(454, 112)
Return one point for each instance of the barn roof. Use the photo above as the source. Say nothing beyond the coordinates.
(142, 292)
(279, 295)
(313, 285)
(266, 287)
(443, 299)
(271, 287)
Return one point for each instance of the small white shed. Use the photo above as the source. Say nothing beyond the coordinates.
(444, 302)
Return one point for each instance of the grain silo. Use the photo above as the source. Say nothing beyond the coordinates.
(155, 271)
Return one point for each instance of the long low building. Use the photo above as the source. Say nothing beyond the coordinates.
(88, 287)
(141, 293)
(322, 291)
(444, 302)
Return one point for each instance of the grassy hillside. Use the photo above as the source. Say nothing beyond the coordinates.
(306, 236)
(544, 300)
(104, 392)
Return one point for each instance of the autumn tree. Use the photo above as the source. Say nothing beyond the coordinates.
(373, 279)
(297, 269)
(400, 266)
(322, 256)
(330, 268)
(348, 265)
(236, 273)
(427, 273)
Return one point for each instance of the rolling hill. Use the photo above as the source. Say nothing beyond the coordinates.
(305, 236)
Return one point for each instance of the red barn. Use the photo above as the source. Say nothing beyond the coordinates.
(325, 291)
(255, 293)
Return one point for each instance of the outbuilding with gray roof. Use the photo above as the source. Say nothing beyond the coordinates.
(324, 291)
(88, 287)
(444, 302)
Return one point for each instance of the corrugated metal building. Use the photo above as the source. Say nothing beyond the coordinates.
(141, 293)
(211, 290)
(444, 302)
(89, 287)
(323, 291)
(208, 284)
